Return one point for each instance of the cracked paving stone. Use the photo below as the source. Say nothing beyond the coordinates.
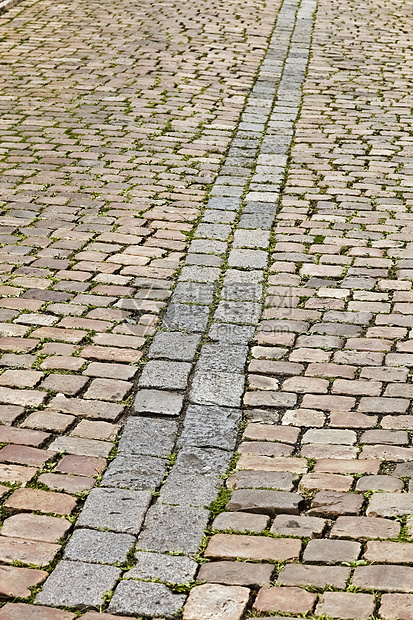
(102, 547)
(195, 478)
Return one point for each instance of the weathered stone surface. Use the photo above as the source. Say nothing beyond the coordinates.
(384, 578)
(346, 605)
(390, 504)
(302, 526)
(77, 584)
(216, 602)
(168, 568)
(207, 426)
(149, 436)
(102, 547)
(173, 528)
(231, 547)
(158, 401)
(236, 573)
(283, 481)
(240, 521)
(195, 478)
(265, 502)
(174, 346)
(115, 509)
(396, 606)
(317, 576)
(223, 388)
(365, 527)
(18, 611)
(285, 600)
(331, 551)
(147, 599)
(137, 472)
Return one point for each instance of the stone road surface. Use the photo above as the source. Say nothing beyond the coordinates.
(206, 271)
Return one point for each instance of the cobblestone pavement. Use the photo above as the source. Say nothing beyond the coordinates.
(205, 234)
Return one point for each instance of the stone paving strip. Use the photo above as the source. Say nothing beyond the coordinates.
(114, 122)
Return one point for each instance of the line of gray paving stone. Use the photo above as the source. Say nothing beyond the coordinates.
(189, 395)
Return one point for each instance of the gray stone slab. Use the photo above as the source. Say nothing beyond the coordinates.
(226, 204)
(139, 473)
(222, 358)
(209, 388)
(242, 292)
(194, 292)
(173, 528)
(150, 436)
(158, 401)
(195, 478)
(118, 510)
(101, 547)
(220, 232)
(256, 220)
(199, 274)
(237, 276)
(165, 375)
(145, 599)
(231, 333)
(167, 568)
(216, 216)
(205, 260)
(207, 246)
(174, 345)
(208, 426)
(255, 259)
(243, 312)
(185, 317)
(78, 584)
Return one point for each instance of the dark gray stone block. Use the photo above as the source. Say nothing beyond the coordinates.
(243, 312)
(222, 358)
(138, 472)
(186, 317)
(196, 477)
(210, 427)
(149, 436)
(115, 509)
(194, 292)
(165, 375)
(145, 599)
(209, 388)
(167, 568)
(100, 547)
(174, 345)
(78, 584)
(173, 528)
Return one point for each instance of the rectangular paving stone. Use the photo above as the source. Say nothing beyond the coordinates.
(184, 317)
(147, 436)
(147, 599)
(78, 584)
(174, 346)
(196, 477)
(209, 388)
(173, 528)
(165, 375)
(236, 573)
(102, 547)
(158, 401)
(114, 509)
(163, 567)
(208, 426)
(231, 547)
(317, 576)
(135, 472)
